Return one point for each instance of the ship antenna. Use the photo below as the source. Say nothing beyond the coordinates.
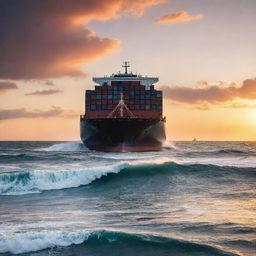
(126, 65)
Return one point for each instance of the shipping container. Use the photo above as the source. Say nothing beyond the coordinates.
(136, 96)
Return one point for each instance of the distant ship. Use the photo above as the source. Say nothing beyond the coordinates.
(123, 114)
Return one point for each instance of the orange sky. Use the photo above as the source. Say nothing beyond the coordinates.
(203, 53)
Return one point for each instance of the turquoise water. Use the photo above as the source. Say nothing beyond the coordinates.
(192, 198)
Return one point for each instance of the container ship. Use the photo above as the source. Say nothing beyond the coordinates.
(123, 113)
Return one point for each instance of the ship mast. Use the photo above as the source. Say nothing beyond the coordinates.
(126, 65)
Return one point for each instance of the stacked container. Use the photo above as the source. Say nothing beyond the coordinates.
(142, 101)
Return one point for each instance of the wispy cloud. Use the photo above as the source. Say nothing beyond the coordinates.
(212, 94)
(49, 83)
(6, 86)
(241, 105)
(44, 92)
(6, 114)
(180, 17)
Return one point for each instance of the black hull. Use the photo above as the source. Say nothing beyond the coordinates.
(122, 134)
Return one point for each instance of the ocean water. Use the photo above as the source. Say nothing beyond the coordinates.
(190, 199)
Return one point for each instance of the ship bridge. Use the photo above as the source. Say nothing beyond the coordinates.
(120, 77)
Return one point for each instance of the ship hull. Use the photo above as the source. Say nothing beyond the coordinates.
(123, 134)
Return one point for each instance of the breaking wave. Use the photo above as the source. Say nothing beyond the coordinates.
(105, 241)
(70, 146)
(16, 183)
(35, 241)
(171, 145)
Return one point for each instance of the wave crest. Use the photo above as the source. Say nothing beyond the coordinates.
(35, 241)
(66, 147)
(17, 183)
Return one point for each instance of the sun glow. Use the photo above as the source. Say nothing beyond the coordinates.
(251, 117)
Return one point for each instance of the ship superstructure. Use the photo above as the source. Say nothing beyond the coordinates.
(123, 113)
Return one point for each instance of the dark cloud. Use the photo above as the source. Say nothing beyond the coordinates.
(6, 86)
(212, 93)
(6, 114)
(180, 17)
(44, 92)
(43, 39)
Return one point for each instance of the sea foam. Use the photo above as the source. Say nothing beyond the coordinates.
(69, 146)
(16, 183)
(35, 241)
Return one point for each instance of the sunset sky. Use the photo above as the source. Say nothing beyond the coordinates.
(203, 51)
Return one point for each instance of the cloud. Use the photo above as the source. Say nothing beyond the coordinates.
(212, 93)
(72, 114)
(180, 17)
(248, 89)
(6, 86)
(48, 83)
(48, 39)
(241, 105)
(44, 92)
(6, 114)
(204, 107)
